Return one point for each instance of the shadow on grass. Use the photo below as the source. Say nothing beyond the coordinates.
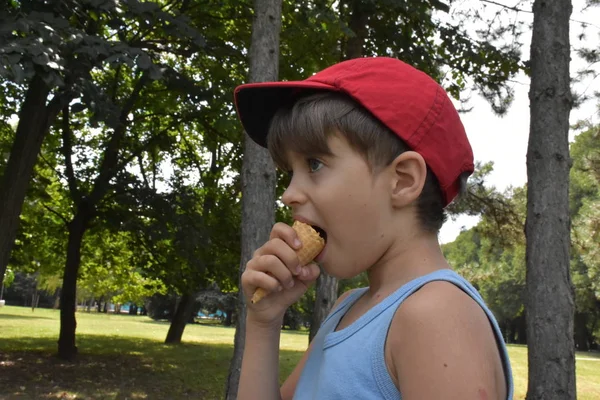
(112, 368)
(10, 316)
(117, 367)
(197, 322)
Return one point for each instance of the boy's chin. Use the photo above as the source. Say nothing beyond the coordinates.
(338, 270)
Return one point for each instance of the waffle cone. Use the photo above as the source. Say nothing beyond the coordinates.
(312, 244)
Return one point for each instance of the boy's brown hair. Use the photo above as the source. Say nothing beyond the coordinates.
(305, 125)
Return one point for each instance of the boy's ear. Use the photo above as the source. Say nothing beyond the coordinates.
(409, 172)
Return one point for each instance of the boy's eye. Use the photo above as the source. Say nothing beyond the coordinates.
(314, 165)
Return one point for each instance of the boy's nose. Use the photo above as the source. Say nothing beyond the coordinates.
(293, 195)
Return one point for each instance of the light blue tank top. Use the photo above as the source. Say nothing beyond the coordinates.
(350, 363)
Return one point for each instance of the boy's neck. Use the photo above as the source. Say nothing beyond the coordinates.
(404, 261)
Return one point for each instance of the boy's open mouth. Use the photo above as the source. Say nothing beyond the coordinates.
(321, 232)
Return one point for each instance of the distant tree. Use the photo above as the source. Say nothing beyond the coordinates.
(104, 65)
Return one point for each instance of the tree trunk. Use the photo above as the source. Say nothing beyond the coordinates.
(258, 171)
(35, 295)
(228, 318)
(521, 330)
(325, 297)
(550, 306)
(180, 319)
(67, 350)
(99, 304)
(358, 19)
(56, 299)
(581, 332)
(33, 126)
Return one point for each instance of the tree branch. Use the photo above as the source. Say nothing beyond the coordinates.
(52, 167)
(58, 102)
(111, 154)
(59, 215)
(143, 172)
(137, 152)
(514, 8)
(67, 150)
(116, 83)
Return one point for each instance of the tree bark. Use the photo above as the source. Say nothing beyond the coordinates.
(258, 171)
(325, 297)
(67, 350)
(180, 319)
(550, 306)
(31, 130)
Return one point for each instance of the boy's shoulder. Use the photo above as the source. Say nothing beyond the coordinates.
(440, 303)
(443, 330)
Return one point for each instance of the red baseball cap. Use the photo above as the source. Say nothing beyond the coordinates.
(409, 102)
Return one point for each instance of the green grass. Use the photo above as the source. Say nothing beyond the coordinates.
(123, 357)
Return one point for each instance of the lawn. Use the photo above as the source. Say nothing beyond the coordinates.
(123, 357)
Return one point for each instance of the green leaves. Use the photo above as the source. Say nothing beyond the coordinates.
(492, 254)
(9, 277)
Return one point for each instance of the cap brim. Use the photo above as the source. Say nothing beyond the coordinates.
(256, 103)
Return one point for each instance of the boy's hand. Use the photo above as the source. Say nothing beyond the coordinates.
(275, 267)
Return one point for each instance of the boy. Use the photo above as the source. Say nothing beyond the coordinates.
(376, 150)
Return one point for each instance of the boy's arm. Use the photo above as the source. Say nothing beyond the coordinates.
(442, 346)
(260, 363)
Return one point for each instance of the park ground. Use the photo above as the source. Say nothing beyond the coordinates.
(123, 357)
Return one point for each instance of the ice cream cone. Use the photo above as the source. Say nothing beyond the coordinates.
(312, 244)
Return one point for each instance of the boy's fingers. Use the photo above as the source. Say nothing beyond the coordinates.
(252, 280)
(287, 234)
(284, 252)
(272, 265)
(309, 273)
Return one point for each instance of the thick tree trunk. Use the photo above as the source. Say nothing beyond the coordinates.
(180, 319)
(67, 350)
(258, 171)
(32, 127)
(326, 295)
(550, 306)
